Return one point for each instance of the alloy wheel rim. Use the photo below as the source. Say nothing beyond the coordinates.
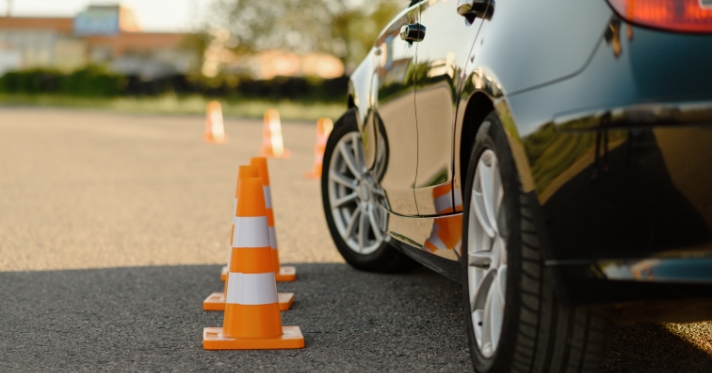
(487, 254)
(354, 197)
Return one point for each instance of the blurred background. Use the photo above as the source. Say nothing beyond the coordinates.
(172, 56)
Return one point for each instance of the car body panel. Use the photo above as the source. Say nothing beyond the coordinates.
(441, 57)
(438, 235)
(531, 43)
(393, 115)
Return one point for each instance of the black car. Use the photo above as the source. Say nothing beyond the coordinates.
(553, 156)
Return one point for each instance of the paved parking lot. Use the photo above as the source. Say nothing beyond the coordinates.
(113, 229)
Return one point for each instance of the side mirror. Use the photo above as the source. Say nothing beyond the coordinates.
(475, 8)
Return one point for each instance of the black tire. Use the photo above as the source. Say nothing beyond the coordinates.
(386, 258)
(539, 334)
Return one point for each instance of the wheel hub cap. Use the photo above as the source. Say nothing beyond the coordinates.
(364, 192)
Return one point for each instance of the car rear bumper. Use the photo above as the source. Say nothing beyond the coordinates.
(628, 216)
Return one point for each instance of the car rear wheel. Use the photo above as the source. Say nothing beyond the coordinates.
(515, 323)
(353, 204)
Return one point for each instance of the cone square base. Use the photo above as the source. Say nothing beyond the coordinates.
(223, 273)
(216, 301)
(213, 339)
(286, 274)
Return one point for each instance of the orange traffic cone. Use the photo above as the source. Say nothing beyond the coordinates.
(214, 128)
(282, 273)
(252, 320)
(216, 301)
(447, 231)
(272, 142)
(323, 129)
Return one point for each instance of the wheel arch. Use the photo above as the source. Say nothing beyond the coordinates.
(478, 107)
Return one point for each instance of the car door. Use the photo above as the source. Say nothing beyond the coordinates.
(441, 58)
(393, 123)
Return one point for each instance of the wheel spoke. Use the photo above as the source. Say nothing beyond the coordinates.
(478, 206)
(488, 194)
(351, 225)
(477, 323)
(473, 281)
(344, 200)
(496, 313)
(498, 192)
(350, 161)
(499, 251)
(496, 308)
(480, 259)
(374, 224)
(487, 347)
(501, 283)
(362, 230)
(342, 179)
(482, 289)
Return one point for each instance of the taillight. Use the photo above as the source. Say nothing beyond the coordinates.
(673, 15)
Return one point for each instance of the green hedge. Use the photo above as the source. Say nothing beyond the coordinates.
(94, 81)
(89, 81)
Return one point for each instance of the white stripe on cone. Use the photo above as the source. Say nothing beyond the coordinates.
(275, 129)
(443, 203)
(217, 124)
(250, 231)
(268, 197)
(232, 241)
(251, 289)
(272, 238)
(458, 198)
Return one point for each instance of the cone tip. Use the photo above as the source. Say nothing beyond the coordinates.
(271, 114)
(214, 105)
(261, 164)
(246, 171)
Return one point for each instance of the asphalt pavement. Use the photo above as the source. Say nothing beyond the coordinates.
(113, 229)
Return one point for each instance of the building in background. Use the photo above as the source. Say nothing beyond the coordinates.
(266, 64)
(107, 35)
(273, 63)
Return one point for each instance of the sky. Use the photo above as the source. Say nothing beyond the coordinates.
(152, 15)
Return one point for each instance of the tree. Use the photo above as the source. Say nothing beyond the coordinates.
(339, 27)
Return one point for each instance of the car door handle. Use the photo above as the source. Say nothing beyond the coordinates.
(412, 32)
